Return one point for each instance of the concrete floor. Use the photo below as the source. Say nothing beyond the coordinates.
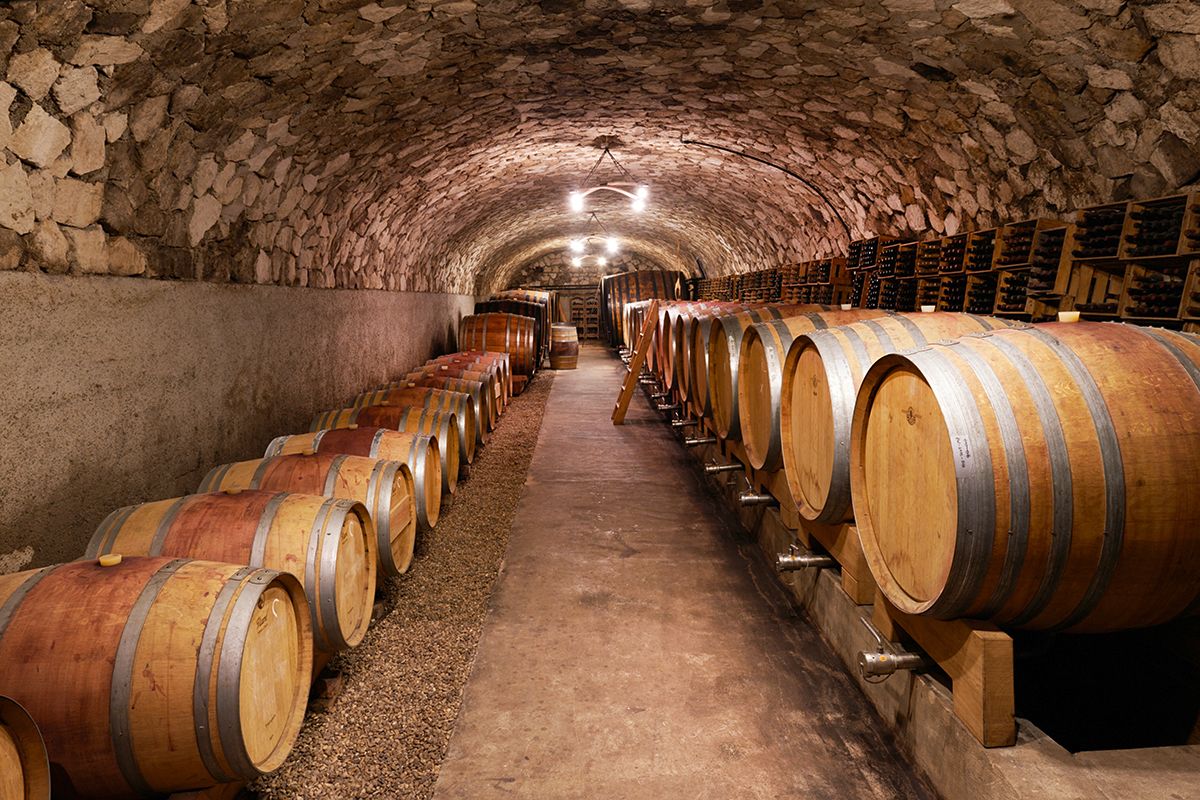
(635, 649)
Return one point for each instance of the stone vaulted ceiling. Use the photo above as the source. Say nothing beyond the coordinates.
(430, 145)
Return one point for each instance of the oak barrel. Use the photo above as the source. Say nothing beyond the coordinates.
(498, 361)
(328, 544)
(419, 451)
(726, 347)
(482, 384)
(24, 768)
(683, 344)
(1045, 477)
(629, 287)
(458, 403)
(503, 333)
(486, 415)
(384, 487)
(156, 675)
(564, 347)
(821, 376)
(538, 310)
(396, 417)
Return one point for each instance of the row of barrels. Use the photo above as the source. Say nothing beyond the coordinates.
(533, 304)
(1043, 477)
(178, 652)
(619, 290)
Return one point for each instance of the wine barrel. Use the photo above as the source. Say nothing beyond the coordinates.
(632, 315)
(502, 333)
(821, 376)
(395, 417)
(496, 363)
(664, 351)
(682, 339)
(154, 674)
(538, 310)
(481, 394)
(726, 340)
(384, 487)
(1045, 477)
(486, 375)
(420, 452)
(564, 347)
(329, 545)
(24, 768)
(629, 287)
(457, 403)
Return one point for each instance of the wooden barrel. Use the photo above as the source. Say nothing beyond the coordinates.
(628, 287)
(328, 544)
(1045, 477)
(821, 376)
(155, 674)
(664, 351)
(682, 343)
(727, 336)
(564, 347)
(538, 310)
(486, 374)
(481, 393)
(24, 768)
(457, 403)
(419, 451)
(384, 487)
(395, 417)
(502, 333)
(632, 315)
(497, 363)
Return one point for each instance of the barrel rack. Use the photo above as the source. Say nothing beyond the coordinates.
(976, 656)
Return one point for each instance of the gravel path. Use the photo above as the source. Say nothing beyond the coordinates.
(387, 732)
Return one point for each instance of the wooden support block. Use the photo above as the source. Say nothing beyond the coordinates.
(325, 691)
(841, 542)
(977, 656)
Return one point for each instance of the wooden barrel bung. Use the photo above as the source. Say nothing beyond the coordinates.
(564, 347)
(1042, 477)
(328, 544)
(156, 674)
(419, 451)
(24, 768)
(821, 376)
(384, 487)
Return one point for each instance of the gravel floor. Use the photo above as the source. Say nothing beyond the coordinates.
(387, 732)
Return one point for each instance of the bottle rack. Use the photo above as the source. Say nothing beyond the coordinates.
(953, 253)
(857, 282)
(864, 253)
(906, 294)
(981, 250)
(929, 257)
(1097, 232)
(1156, 292)
(888, 293)
(1012, 293)
(872, 290)
(981, 293)
(906, 260)
(927, 292)
(886, 267)
(1154, 228)
(952, 292)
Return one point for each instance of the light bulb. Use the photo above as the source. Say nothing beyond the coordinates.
(577, 245)
(576, 201)
(602, 261)
(612, 245)
(576, 261)
(642, 192)
(639, 205)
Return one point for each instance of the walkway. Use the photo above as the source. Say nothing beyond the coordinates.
(632, 651)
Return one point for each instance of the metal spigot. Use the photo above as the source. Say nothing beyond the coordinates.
(796, 559)
(659, 395)
(887, 660)
(756, 499)
(684, 423)
(668, 407)
(696, 441)
(648, 380)
(714, 468)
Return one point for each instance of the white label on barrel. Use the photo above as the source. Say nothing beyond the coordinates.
(962, 450)
(731, 346)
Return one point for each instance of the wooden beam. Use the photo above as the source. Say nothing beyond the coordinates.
(635, 365)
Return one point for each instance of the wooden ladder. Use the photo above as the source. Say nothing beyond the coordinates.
(635, 365)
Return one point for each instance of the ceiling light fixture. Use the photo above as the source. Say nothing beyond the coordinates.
(629, 187)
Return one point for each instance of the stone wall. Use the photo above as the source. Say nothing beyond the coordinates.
(430, 145)
(119, 391)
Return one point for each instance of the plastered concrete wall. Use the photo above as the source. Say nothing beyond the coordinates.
(119, 390)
